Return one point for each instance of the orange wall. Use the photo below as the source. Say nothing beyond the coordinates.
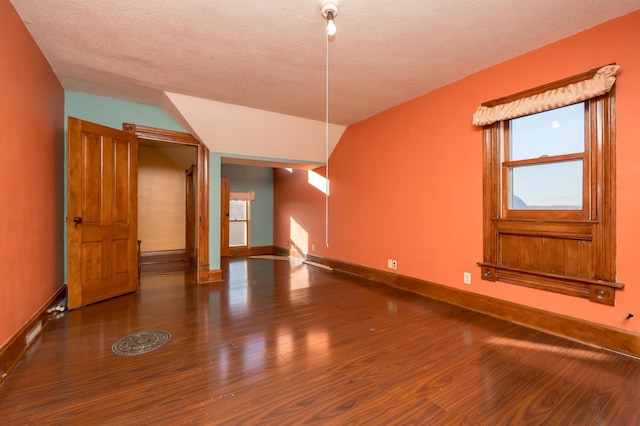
(407, 183)
(31, 176)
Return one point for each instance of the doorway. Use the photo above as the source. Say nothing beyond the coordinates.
(200, 185)
(166, 206)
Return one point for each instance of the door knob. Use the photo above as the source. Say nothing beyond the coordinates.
(76, 221)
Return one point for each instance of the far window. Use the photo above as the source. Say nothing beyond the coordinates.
(239, 223)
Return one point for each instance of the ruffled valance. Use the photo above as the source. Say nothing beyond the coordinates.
(599, 84)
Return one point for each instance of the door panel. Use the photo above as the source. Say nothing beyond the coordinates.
(122, 195)
(102, 258)
(91, 169)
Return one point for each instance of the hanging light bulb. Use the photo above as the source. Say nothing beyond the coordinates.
(331, 27)
(329, 10)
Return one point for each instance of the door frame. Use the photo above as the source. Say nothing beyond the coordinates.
(225, 188)
(191, 206)
(204, 274)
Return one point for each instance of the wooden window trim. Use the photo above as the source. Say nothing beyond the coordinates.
(247, 221)
(543, 88)
(593, 227)
(585, 156)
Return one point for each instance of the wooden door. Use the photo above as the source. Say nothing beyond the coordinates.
(190, 212)
(224, 216)
(102, 213)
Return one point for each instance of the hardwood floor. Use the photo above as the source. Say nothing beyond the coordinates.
(280, 343)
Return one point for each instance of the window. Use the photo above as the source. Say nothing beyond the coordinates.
(238, 223)
(240, 218)
(549, 188)
(544, 167)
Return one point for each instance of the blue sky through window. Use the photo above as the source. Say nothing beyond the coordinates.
(556, 186)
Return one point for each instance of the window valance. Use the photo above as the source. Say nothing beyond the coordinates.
(576, 91)
(243, 196)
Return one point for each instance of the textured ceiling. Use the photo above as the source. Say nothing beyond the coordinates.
(271, 54)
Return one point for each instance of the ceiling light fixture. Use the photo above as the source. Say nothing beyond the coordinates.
(329, 10)
(331, 26)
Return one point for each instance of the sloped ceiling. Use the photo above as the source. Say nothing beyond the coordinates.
(270, 55)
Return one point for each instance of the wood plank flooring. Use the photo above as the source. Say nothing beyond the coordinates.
(280, 343)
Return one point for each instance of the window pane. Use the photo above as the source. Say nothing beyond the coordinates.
(238, 210)
(237, 234)
(555, 132)
(554, 186)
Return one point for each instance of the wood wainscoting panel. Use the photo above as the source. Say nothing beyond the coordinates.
(562, 256)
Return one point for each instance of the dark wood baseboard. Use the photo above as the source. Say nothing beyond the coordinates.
(250, 251)
(162, 256)
(293, 252)
(590, 333)
(13, 350)
(206, 275)
(215, 275)
(280, 251)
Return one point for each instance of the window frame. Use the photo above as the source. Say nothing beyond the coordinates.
(247, 222)
(543, 214)
(591, 230)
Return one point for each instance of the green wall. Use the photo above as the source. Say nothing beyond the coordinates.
(214, 210)
(112, 113)
(260, 180)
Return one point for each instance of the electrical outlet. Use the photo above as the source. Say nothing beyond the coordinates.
(394, 264)
(466, 278)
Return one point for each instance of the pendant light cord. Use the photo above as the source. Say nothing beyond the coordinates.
(326, 148)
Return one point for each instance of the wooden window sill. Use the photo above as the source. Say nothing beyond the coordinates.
(598, 291)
